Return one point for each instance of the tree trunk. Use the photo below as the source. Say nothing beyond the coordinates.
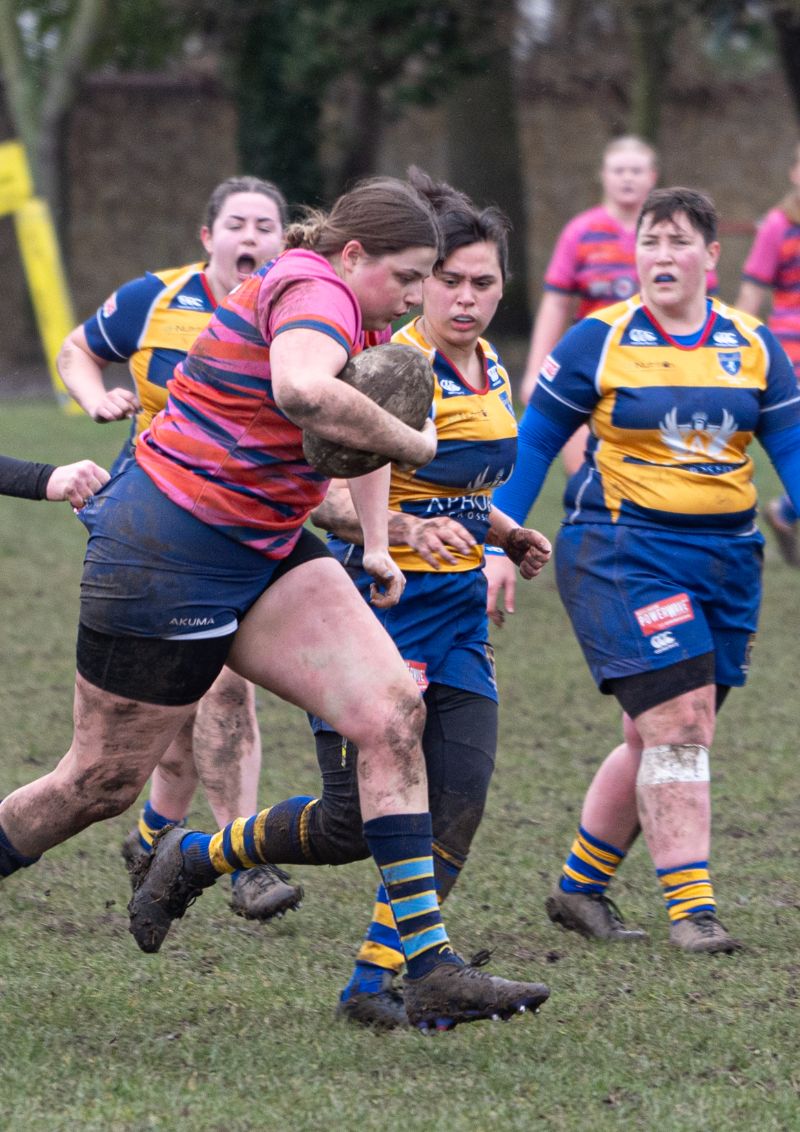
(484, 159)
(787, 27)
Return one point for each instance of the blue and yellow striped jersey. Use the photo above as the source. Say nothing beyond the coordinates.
(477, 433)
(670, 419)
(151, 322)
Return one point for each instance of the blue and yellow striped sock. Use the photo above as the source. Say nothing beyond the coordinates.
(687, 889)
(149, 824)
(401, 846)
(277, 835)
(591, 864)
(382, 949)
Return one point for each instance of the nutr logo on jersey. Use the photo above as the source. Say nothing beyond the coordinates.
(698, 436)
(662, 615)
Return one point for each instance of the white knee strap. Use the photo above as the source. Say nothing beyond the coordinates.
(673, 762)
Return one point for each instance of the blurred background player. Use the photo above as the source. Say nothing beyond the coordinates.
(772, 269)
(440, 517)
(150, 323)
(593, 263)
(658, 560)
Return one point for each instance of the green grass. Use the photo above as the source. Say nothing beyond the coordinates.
(230, 1026)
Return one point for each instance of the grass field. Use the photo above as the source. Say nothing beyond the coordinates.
(230, 1027)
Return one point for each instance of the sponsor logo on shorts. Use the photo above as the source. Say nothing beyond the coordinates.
(110, 305)
(190, 302)
(419, 670)
(662, 642)
(550, 367)
(643, 337)
(664, 614)
(191, 622)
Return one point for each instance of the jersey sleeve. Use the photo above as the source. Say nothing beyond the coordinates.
(560, 274)
(780, 403)
(24, 479)
(566, 392)
(114, 331)
(320, 304)
(761, 265)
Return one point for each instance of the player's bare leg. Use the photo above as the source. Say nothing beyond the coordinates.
(334, 660)
(116, 745)
(227, 754)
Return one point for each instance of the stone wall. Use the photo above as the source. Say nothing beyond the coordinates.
(144, 153)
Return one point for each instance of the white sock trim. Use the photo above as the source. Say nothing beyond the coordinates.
(673, 762)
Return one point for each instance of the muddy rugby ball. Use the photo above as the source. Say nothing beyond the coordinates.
(400, 380)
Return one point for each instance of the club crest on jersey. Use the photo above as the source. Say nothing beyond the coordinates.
(731, 362)
(697, 436)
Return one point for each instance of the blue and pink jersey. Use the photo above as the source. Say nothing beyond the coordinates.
(595, 259)
(774, 261)
(222, 449)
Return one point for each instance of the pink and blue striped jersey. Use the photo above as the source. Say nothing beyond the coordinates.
(595, 259)
(222, 449)
(774, 261)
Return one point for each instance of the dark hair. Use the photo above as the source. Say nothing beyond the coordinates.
(384, 214)
(662, 204)
(460, 221)
(244, 185)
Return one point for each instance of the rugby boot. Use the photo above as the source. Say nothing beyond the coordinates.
(592, 914)
(382, 1009)
(702, 932)
(264, 892)
(133, 854)
(452, 993)
(163, 890)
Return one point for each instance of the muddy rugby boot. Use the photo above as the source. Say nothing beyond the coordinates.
(264, 892)
(162, 890)
(452, 993)
(592, 914)
(134, 855)
(702, 932)
(378, 1010)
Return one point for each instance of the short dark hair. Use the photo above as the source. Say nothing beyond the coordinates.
(244, 184)
(700, 210)
(461, 222)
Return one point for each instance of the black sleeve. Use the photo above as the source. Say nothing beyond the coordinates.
(24, 478)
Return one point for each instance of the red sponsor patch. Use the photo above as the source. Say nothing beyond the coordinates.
(110, 305)
(419, 670)
(664, 614)
(550, 367)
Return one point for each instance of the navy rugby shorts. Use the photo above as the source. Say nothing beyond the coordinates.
(153, 570)
(642, 599)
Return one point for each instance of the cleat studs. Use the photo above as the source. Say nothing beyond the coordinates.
(496, 1018)
(521, 1009)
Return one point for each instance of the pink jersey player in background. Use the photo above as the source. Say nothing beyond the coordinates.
(593, 264)
(772, 269)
